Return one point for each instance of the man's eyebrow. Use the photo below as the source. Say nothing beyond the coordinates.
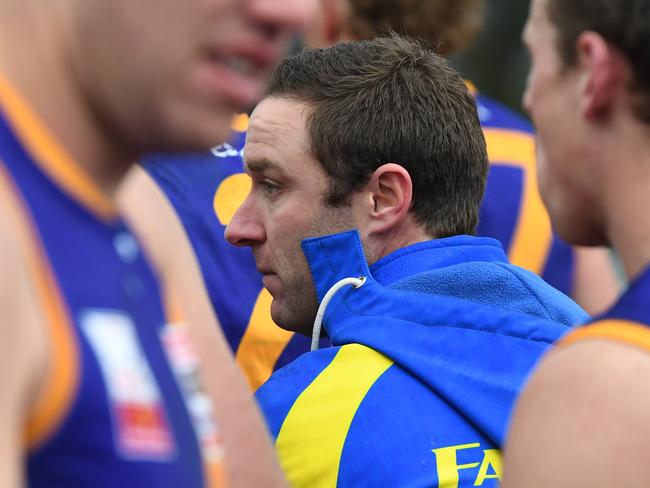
(259, 166)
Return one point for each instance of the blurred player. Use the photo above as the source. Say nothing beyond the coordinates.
(98, 387)
(583, 420)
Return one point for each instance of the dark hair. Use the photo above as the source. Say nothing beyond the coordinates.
(391, 100)
(625, 24)
(446, 25)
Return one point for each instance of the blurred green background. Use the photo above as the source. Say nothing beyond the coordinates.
(497, 61)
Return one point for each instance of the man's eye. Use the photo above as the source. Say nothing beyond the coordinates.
(270, 188)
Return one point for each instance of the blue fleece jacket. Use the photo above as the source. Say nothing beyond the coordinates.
(428, 357)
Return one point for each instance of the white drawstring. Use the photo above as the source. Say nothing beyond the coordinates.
(315, 337)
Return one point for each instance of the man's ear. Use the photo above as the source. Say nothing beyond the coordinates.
(605, 74)
(389, 194)
(335, 17)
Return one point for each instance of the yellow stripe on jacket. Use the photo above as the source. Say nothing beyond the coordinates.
(309, 447)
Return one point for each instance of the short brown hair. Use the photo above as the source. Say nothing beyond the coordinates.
(391, 100)
(625, 24)
(446, 25)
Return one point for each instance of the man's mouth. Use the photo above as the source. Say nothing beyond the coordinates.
(240, 64)
(240, 74)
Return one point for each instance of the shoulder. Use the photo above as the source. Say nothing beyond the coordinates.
(312, 407)
(278, 395)
(328, 365)
(555, 304)
(318, 383)
(582, 420)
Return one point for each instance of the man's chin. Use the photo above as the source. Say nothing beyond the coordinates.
(272, 284)
(287, 320)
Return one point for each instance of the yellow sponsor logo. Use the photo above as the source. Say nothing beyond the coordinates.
(487, 465)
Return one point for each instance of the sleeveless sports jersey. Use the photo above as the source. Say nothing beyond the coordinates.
(206, 189)
(628, 321)
(120, 405)
(512, 209)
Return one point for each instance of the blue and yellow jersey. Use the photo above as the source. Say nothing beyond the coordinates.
(116, 406)
(419, 384)
(627, 322)
(512, 209)
(206, 190)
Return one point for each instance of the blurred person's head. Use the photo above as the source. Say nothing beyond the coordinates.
(157, 75)
(445, 25)
(381, 136)
(588, 94)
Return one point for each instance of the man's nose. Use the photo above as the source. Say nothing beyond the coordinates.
(283, 15)
(245, 229)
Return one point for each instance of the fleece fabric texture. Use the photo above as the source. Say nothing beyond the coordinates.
(475, 269)
(426, 364)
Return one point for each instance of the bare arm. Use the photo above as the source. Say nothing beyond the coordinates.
(595, 284)
(583, 421)
(22, 355)
(250, 457)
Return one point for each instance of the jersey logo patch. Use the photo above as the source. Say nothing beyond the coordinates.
(140, 426)
(185, 364)
(481, 464)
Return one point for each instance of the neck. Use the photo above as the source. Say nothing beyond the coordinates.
(406, 234)
(626, 187)
(49, 84)
(629, 230)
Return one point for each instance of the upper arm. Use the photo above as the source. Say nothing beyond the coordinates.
(595, 284)
(583, 420)
(157, 226)
(22, 354)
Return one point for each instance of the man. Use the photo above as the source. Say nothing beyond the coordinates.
(382, 137)
(205, 189)
(582, 420)
(98, 389)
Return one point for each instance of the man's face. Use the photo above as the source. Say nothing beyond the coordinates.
(552, 99)
(170, 74)
(285, 205)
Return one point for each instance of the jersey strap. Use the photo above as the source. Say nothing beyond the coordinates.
(51, 156)
(62, 376)
(623, 331)
(533, 235)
